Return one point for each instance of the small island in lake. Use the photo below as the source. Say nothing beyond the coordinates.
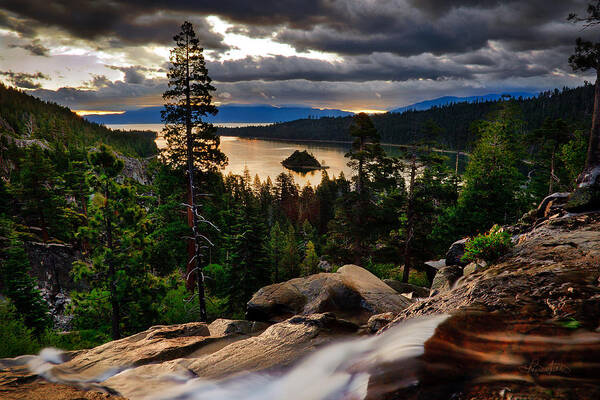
(302, 161)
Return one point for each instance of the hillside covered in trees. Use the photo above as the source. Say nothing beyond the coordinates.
(571, 105)
(26, 117)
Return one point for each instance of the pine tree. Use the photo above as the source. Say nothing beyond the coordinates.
(275, 250)
(115, 238)
(37, 189)
(290, 260)
(358, 222)
(310, 263)
(192, 143)
(421, 156)
(287, 195)
(15, 281)
(548, 140)
(586, 57)
(365, 148)
(247, 264)
(492, 182)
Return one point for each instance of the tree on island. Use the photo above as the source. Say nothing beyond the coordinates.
(302, 161)
(586, 57)
(192, 143)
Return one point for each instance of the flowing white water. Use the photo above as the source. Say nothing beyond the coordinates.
(340, 371)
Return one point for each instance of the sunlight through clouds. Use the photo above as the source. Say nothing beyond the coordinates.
(243, 46)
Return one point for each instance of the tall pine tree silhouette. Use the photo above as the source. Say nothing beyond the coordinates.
(192, 143)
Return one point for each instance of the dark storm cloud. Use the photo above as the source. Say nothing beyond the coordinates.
(440, 27)
(451, 44)
(34, 47)
(93, 18)
(358, 69)
(121, 23)
(21, 25)
(404, 27)
(24, 80)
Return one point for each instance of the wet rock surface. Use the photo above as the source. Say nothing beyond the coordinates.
(552, 273)
(481, 355)
(526, 327)
(445, 278)
(278, 346)
(376, 322)
(224, 327)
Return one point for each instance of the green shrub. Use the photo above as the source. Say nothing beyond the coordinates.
(488, 247)
(75, 340)
(177, 307)
(17, 338)
(391, 271)
(418, 278)
(383, 271)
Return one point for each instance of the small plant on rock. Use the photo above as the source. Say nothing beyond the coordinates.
(488, 247)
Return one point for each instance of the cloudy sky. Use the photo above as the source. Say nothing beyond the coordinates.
(347, 54)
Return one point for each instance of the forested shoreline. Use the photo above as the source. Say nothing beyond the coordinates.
(574, 105)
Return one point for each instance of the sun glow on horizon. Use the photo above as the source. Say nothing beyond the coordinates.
(83, 113)
(366, 111)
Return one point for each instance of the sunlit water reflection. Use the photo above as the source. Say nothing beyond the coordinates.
(263, 157)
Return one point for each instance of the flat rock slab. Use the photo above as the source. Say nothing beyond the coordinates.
(278, 346)
(157, 344)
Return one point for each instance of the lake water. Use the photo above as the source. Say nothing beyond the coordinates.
(263, 157)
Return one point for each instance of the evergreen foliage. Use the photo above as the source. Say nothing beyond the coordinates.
(301, 161)
(191, 142)
(16, 283)
(573, 105)
(586, 57)
(31, 118)
(116, 270)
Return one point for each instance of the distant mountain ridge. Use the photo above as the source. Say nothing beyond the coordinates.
(455, 118)
(445, 100)
(227, 113)
(266, 113)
